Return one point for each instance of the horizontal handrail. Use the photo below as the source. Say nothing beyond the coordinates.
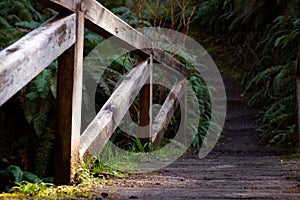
(63, 37)
(26, 58)
(104, 22)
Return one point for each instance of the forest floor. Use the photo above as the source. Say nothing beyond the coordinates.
(239, 167)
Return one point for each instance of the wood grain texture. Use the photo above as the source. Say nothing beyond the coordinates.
(25, 59)
(104, 22)
(298, 106)
(165, 113)
(145, 106)
(77, 93)
(70, 65)
(107, 24)
(63, 135)
(70, 4)
(62, 6)
(298, 91)
(103, 125)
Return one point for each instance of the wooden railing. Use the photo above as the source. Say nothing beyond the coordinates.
(298, 91)
(62, 38)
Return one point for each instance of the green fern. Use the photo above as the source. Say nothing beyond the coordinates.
(44, 149)
(282, 77)
(27, 25)
(130, 17)
(261, 77)
(41, 84)
(4, 23)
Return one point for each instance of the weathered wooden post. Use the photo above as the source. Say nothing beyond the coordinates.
(145, 107)
(184, 113)
(69, 94)
(298, 91)
(57, 38)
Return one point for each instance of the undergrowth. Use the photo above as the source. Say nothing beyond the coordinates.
(29, 146)
(265, 36)
(262, 38)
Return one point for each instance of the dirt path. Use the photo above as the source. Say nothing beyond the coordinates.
(237, 168)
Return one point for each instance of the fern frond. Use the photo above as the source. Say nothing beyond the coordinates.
(281, 78)
(120, 10)
(27, 25)
(40, 121)
(103, 85)
(279, 120)
(262, 76)
(45, 146)
(4, 23)
(42, 83)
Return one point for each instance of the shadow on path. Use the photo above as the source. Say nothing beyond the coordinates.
(237, 168)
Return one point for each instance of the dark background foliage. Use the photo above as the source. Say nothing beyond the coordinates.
(254, 41)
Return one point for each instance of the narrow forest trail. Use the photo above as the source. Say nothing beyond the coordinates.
(237, 168)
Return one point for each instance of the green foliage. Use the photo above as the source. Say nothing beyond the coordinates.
(268, 41)
(267, 35)
(130, 17)
(15, 171)
(39, 111)
(28, 185)
(111, 161)
(276, 91)
(19, 175)
(42, 190)
(37, 98)
(96, 63)
(18, 18)
(139, 145)
(41, 85)
(208, 13)
(28, 188)
(90, 173)
(91, 40)
(27, 25)
(204, 100)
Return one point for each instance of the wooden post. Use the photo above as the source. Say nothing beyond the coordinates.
(182, 137)
(146, 105)
(69, 89)
(298, 91)
(151, 97)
